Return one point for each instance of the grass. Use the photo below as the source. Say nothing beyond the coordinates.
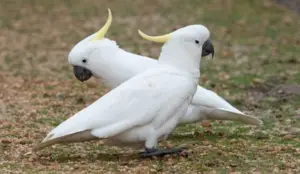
(257, 46)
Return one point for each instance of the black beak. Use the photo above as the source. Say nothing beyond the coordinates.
(81, 73)
(207, 49)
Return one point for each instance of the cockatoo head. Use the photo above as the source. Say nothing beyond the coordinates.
(85, 54)
(194, 39)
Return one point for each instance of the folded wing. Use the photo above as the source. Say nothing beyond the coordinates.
(136, 102)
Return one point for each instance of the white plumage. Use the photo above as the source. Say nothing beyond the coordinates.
(148, 106)
(133, 106)
(115, 65)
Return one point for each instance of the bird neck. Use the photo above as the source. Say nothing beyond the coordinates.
(179, 57)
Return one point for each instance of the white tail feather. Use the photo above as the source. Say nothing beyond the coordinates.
(223, 114)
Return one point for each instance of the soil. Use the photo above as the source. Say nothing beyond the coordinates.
(291, 4)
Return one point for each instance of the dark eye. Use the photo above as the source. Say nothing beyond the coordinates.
(84, 60)
(196, 41)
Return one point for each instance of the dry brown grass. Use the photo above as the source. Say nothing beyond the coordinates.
(256, 42)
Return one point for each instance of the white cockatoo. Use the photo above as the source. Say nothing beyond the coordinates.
(146, 108)
(115, 65)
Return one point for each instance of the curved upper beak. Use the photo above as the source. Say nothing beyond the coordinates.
(207, 49)
(81, 73)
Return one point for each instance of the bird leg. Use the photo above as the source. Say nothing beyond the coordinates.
(150, 152)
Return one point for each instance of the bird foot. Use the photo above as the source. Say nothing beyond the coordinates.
(160, 152)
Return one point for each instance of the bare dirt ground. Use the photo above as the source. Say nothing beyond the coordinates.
(292, 4)
(256, 68)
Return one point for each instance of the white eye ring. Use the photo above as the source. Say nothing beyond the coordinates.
(196, 41)
(84, 60)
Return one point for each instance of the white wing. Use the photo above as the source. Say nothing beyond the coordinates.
(199, 113)
(125, 65)
(134, 103)
(206, 104)
(205, 97)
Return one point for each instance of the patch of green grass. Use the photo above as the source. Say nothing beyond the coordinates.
(245, 79)
(52, 121)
